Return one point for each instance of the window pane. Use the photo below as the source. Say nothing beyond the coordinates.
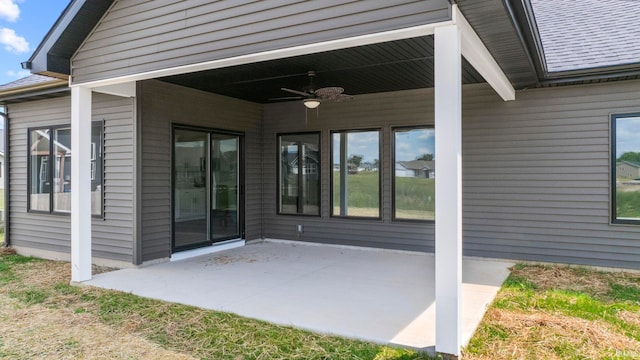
(414, 174)
(96, 170)
(299, 174)
(40, 186)
(356, 179)
(310, 184)
(62, 170)
(627, 168)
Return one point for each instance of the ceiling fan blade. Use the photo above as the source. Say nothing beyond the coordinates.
(329, 92)
(287, 98)
(302, 93)
(338, 98)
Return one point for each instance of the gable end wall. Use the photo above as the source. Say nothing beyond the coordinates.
(139, 36)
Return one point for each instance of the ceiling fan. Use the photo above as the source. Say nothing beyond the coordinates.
(312, 96)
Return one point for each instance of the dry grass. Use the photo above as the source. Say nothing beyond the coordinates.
(57, 329)
(559, 312)
(38, 332)
(6, 250)
(553, 336)
(567, 278)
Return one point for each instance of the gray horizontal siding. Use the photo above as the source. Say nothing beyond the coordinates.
(111, 236)
(536, 175)
(376, 111)
(164, 104)
(136, 36)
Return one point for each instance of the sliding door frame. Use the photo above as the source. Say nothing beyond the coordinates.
(208, 190)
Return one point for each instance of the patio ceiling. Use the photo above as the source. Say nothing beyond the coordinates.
(398, 65)
(391, 66)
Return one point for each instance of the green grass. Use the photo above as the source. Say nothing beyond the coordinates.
(414, 197)
(628, 204)
(7, 265)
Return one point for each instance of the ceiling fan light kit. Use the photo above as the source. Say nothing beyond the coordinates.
(311, 103)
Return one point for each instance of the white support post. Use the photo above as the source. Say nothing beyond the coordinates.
(448, 222)
(80, 184)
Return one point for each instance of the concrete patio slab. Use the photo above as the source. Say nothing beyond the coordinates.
(381, 296)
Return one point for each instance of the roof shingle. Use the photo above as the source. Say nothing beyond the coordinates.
(28, 81)
(588, 33)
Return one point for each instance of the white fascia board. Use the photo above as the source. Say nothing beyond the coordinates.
(481, 59)
(127, 89)
(368, 39)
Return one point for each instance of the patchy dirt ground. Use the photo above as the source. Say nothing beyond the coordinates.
(63, 330)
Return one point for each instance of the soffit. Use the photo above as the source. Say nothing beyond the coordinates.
(398, 65)
(390, 66)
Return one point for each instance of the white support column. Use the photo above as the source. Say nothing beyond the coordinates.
(80, 184)
(448, 223)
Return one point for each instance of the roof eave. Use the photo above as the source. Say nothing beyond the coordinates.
(38, 62)
(53, 55)
(27, 90)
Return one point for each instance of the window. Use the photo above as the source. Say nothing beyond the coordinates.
(50, 159)
(356, 175)
(625, 168)
(299, 174)
(414, 174)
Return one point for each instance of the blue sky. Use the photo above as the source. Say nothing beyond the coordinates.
(410, 144)
(627, 131)
(23, 24)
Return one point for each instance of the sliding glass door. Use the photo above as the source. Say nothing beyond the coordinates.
(206, 187)
(225, 184)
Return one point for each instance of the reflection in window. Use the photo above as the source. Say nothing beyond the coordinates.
(356, 175)
(40, 185)
(299, 179)
(415, 172)
(626, 168)
(50, 169)
(62, 170)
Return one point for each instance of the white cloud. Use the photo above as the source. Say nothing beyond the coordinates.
(12, 42)
(9, 10)
(18, 74)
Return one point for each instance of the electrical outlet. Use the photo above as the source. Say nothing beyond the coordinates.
(299, 229)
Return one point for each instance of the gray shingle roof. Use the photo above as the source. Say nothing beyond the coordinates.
(28, 81)
(418, 164)
(583, 34)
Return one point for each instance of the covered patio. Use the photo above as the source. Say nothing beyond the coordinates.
(376, 295)
(437, 51)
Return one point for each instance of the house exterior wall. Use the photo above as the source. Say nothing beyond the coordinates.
(163, 104)
(112, 235)
(627, 171)
(536, 173)
(375, 111)
(136, 36)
